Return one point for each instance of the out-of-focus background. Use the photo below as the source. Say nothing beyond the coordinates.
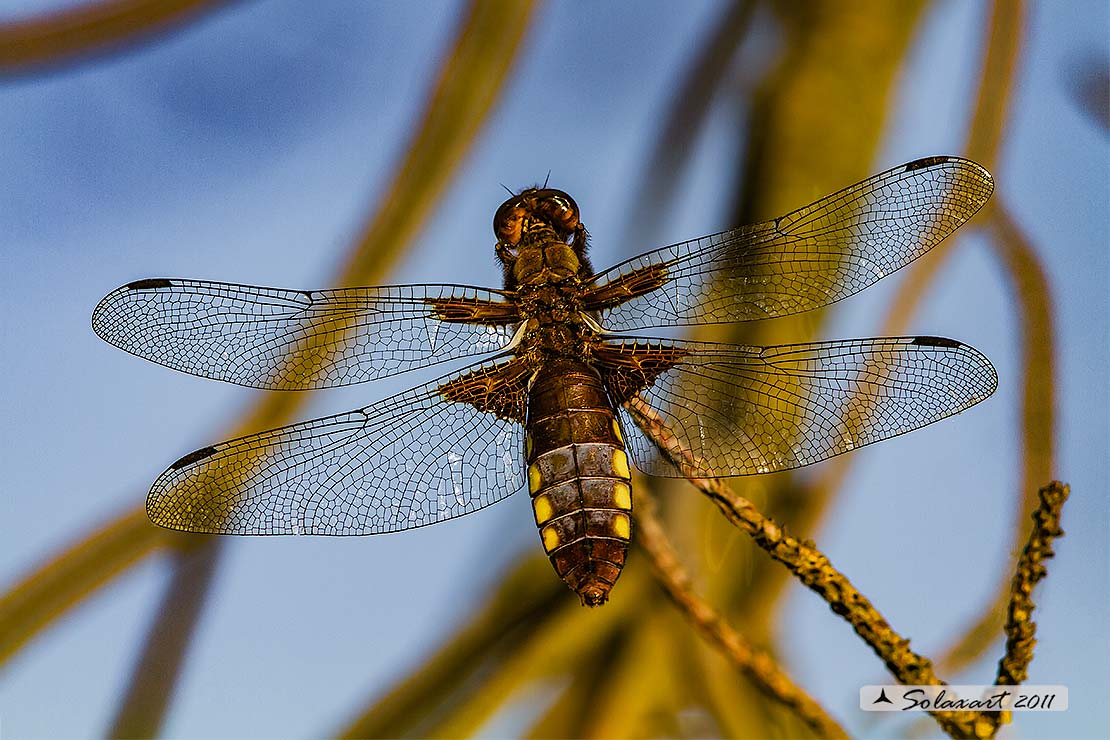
(254, 142)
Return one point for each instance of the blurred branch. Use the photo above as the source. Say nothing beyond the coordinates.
(1005, 30)
(1003, 44)
(524, 603)
(470, 79)
(154, 676)
(756, 664)
(992, 102)
(461, 100)
(674, 144)
(64, 581)
(818, 118)
(76, 34)
(1029, 286)
(558, 649)
(469, 84)
(569, 715)
(738, 711)
(1088, 83)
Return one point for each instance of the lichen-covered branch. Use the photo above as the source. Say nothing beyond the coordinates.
(809, 565)
(1014, 666)
(1020, 629)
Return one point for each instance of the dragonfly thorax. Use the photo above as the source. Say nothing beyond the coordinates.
(555, 325)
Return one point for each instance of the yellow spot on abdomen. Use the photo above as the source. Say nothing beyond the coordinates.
(550, 538)
(622, 496)
(527, 446)
(541, 505)
(617, 430)
(621, 526)
(535, 480)
(620, 464)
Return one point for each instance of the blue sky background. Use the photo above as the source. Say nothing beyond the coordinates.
(247, 148)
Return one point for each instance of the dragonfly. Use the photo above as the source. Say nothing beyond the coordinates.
(559, 368)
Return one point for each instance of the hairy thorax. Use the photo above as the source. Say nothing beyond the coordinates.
(542, 246)
(555, 325)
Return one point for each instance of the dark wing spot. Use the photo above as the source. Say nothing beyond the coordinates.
(149, 284)
(936, 342)
(192, 457)
(920, 164)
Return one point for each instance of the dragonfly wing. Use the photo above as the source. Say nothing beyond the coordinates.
(297, 340)
(744, 410)
(810, 258)
(432, 453)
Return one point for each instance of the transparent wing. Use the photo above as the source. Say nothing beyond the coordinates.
(297, 340)
(743, 410)
(414, 459)
(812, 257)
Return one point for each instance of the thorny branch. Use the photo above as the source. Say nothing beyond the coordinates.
(756, 664)
(813, 569)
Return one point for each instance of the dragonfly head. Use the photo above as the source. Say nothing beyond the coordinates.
(537, 215)
(534, 209)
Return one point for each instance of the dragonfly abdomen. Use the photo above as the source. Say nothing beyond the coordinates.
(578, 477)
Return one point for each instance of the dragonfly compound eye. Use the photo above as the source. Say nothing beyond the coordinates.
(508, 222)
(559, 210)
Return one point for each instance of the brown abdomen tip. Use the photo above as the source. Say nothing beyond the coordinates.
(594, 593)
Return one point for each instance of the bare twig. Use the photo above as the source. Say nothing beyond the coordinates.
(756, 664)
